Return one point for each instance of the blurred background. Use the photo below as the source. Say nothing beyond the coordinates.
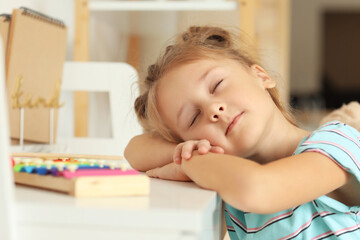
(312, 50)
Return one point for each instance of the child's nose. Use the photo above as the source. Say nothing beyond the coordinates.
(215, 111)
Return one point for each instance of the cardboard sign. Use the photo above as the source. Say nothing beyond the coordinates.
(4, 31)
(36, 56)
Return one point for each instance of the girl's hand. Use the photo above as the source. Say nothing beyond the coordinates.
(170, 171)
(184, 150)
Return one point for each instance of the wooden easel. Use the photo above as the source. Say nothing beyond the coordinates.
(247, 13)
(81, 53)
(249, 10)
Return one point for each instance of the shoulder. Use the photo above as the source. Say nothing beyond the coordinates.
(336, 134)
(334, 129)
(337, 141)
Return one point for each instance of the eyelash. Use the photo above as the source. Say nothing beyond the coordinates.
(194, 118)
(212, 92)
(217, 84)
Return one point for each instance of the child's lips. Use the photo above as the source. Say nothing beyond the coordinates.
(233, 123)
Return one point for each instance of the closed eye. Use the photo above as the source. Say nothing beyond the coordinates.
(217, 84)
(194, 119)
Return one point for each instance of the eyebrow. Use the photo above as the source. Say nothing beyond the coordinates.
(203, 76)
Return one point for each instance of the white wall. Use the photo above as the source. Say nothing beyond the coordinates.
(306, 41)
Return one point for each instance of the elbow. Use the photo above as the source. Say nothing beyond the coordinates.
(130, 156)
(134, 163)
(127, 153)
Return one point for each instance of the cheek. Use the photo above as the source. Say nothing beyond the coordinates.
(204, 133)
(214, 140)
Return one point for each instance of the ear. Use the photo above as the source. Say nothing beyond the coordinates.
(260, 73)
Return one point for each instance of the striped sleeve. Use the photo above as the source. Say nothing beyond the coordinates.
(337, 141)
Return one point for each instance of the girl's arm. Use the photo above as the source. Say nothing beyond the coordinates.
(276, 186)
(170, 171)
(173, 171)
(148, 151)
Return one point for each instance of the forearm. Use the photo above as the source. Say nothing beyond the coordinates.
(232, 177)
(170, 171)
(268, 188)
(148, 151)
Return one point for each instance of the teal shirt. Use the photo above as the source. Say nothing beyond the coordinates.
(322, 218)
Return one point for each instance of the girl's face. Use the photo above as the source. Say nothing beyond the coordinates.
(218, 100)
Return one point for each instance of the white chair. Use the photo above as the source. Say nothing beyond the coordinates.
(119, 81)
(7, 208)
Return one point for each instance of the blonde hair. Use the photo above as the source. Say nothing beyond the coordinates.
(194, 44)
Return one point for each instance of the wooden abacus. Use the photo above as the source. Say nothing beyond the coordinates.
(79, 175)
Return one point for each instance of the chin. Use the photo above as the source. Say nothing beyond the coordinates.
(234, 152)
(246, 150)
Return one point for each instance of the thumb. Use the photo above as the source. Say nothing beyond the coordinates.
(152, 173)
(217, 149)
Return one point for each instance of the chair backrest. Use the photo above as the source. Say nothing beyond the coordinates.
(7, 206)
(119, 81)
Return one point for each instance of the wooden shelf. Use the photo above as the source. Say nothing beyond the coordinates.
(162, 5)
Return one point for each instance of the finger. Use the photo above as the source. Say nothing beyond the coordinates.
(188, 148)
(217, 149)
(203, 146)
(177, 153)
(152, 173)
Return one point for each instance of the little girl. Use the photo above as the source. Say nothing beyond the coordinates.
(214, 117)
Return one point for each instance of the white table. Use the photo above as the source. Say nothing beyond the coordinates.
(173, 210)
